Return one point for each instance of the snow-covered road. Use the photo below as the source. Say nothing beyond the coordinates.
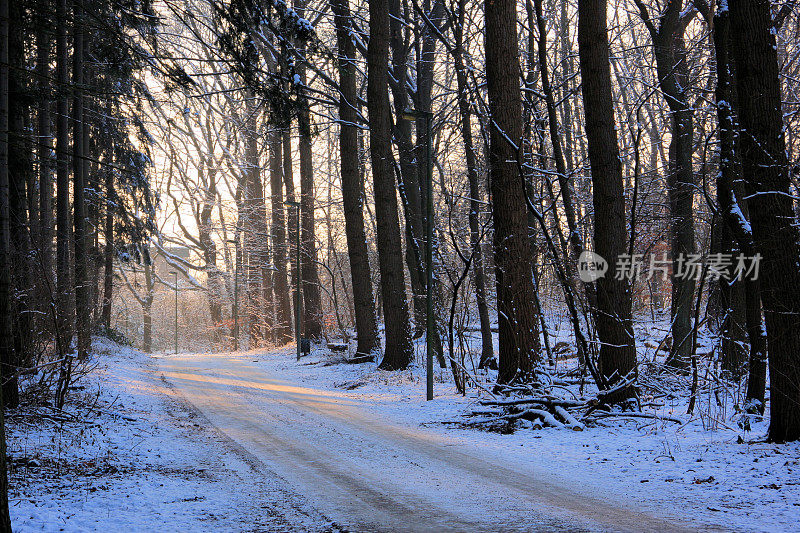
(367, 473)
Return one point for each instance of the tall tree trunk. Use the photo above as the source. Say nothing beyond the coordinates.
(409, 185)
(765, 171)
(312, 300)
(79, 187)
(64, 326)
(671, 65)
(256, 245)
(147, 307)
(108, 235)
(6, 320)
(209, 246)
(353, 186)
(534, 157)
(108, 258)
(613, 313)
(399, 351)
(283, 320)
(564, 183)
(424, 100)
(487, 348)
(44, 153)
(735, 212)
(20, 168)
(516, 307)
(291, 219)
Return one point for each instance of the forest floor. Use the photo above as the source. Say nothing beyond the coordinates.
(134, 453)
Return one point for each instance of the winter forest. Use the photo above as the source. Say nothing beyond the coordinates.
(399, 265)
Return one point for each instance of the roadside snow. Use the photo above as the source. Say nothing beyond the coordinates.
(137, 459)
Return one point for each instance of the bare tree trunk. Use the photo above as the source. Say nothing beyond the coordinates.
(735, 213)
(147, 308)
(20, 168)
(291, 219)
(65, 315)
(671, 65)
(737, 295)
(253, 221)
(6, 320)
(108, 252)
(487, 348)
(399, 351)
(765, 171)
(613, 313)
(208, 245)
(424, 99)
(44, 151)
(409, 185)
(353, 186)
(79, 187)
(283, 324)
(312, 301)
(516, 298)
(108, 261)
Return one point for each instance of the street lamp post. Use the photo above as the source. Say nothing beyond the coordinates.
(427, 116)
(296, 206)
(176, 309)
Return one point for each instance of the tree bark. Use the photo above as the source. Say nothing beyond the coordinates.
(20, 169)
(291, 219)
(65, 316)
(742, 294)
(312, 300)
(516, 298)
(765, 171)
(283, 319)
(208, 176)
(79, 187)
(487, 347)
(108, 258)
(613, 313)
(399, 351)
(44, 151)
(673, 78)
(6, 320)
(410, 189)
(253, 220)
(353, 186)
(147, 308)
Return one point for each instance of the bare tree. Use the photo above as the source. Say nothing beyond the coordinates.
(613, 313)
(516, 307)
(398, 351)
(766, 174)
(353, 186)
(6, 320)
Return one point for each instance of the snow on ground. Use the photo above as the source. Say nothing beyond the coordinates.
(147, 462)
(723, 476)
(132, 457)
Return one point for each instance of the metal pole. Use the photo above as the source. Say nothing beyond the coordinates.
(429, 257)
(176, 312)
(299, 276)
